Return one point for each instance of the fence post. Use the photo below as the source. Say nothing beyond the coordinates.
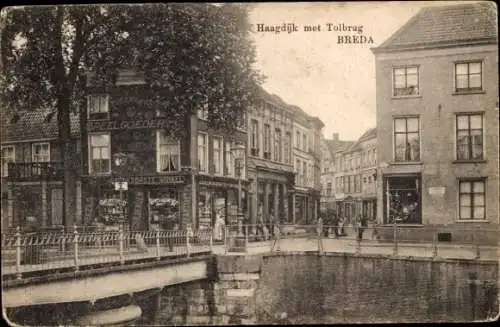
(395, 250)
(18, 252)
(63, 244)
(320, 243)
(246, 238)
(157, 243)
(188, 245)
(435, 244)
(75, 247)
(120, 244)
(211, 240)
(358, 244)
(225, 229)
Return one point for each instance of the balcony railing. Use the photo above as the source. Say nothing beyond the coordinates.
(29, 171)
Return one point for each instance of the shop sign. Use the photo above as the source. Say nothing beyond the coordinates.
(151, 180)
(97, 126)
(437, 191)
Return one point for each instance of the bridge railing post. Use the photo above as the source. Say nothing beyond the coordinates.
(435, 244)
(189, 233)
(211, 240)
(120, 244)
(395, 231)
(18, 252)
(157, 243)
(75, 247)
(226, 232)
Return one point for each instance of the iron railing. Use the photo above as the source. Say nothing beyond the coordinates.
(26, 254)
(30, 171)
(31, 253)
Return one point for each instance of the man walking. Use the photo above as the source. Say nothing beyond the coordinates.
(277, 237)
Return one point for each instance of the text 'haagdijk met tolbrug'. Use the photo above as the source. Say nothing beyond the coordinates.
(350, 33)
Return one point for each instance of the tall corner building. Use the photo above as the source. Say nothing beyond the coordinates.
(437, 120)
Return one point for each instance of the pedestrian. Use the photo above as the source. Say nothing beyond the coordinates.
(168, 226)
(335, 222)
(271, 223)
(276, 234)
(319, 232)
(260, 224)
(342, 230)
(362, 224)
(219, 227)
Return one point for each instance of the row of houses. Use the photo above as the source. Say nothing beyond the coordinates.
(128, 170)
(437, 134)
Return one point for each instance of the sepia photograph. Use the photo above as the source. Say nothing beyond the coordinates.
(285, 163)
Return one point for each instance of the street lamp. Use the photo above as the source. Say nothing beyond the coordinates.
(238, 152)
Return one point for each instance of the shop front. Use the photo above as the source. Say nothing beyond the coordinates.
(369, 210)
(217, 197)
(402, 199)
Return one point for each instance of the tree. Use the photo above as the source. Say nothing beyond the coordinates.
(193, 54)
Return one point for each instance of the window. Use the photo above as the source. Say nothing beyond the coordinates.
(254, 141)
(329, 189)
(277, 145)
(8, 155)
(406, 139)
(40, 152)
(241, 122)
(298, 172)
(297, 140)
(267, 139)
(469, 137)
(202, 113)
(304, 142)
(405, 81)
(168, 153)
(471, 199)
(99, 153)
(230, 171)
(217, 152)
(304, 173)
(97, 106)
(203, 153)
(287, 148)
(468, 76)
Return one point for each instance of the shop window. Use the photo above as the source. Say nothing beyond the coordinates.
(8, 156)
(406, 139)
(469, 137)
(164, 209)
(99, 153)
(472, 200)
(168, 153)
(98, 106)
(403, 200)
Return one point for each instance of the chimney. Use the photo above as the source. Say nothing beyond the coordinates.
(335, 136)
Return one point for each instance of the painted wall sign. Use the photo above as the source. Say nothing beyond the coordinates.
(150, 180)
(107, 125)
(437, 191)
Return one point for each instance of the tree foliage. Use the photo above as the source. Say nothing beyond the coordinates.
(193, 55)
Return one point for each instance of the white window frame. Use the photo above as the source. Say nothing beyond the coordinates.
(483, 131)
(406, 76)
(485, 186)
(421, 158)
(229, 164)
(5, 163)
(205, 168)
(221, 155)
(106, 106)
(41, 144)
(90, 153)
(468, 90)
(159, 154)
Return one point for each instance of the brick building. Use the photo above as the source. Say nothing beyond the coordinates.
(437, 118)
(32, 176)
(189, 179)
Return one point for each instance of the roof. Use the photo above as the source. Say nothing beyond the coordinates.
(368, 135)
(438, 26)
(34, 125)
(338, 145)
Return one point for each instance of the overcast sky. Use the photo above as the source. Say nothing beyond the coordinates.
(335, 82)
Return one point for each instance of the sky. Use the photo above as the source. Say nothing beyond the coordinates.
(335, 82)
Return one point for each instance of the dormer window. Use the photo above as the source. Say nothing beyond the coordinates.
(98, 106)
